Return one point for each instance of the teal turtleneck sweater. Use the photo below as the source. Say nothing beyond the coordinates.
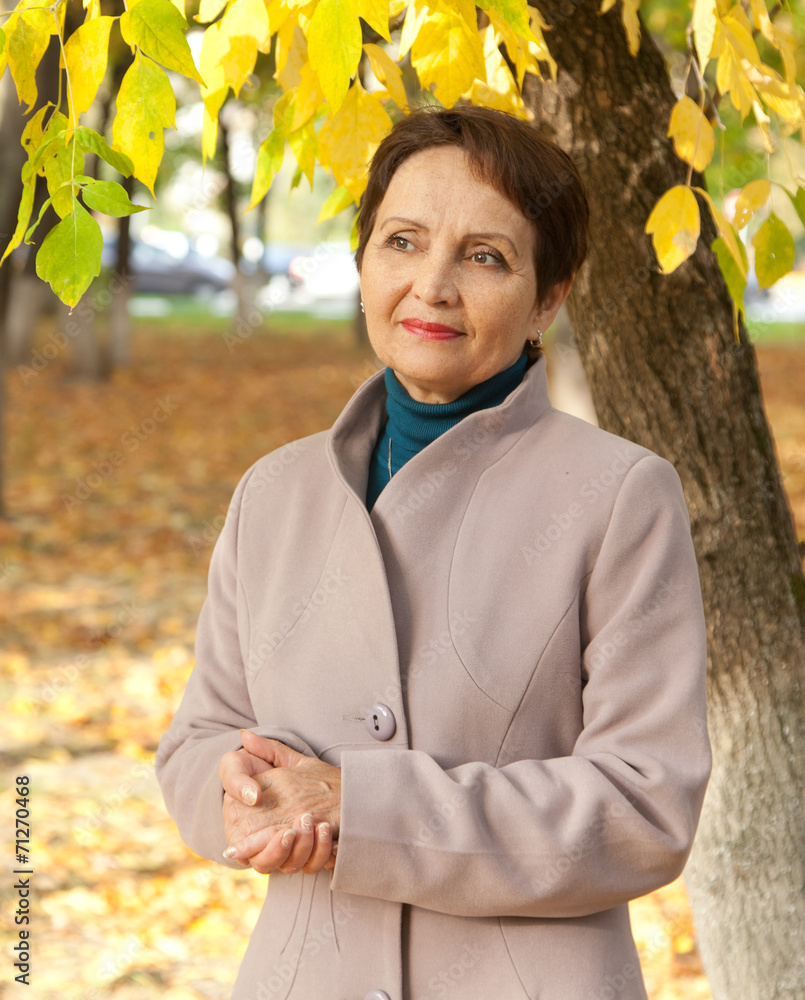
(412, 426)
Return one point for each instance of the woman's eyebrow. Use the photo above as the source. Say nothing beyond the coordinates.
(493, 236)
(466, 237)
(408, 222)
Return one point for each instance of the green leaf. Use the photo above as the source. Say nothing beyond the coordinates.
(23, 216)
(774, 251)
(157, 27)
(51, 139)
(798, 201)
(514, 13)
(335, 202)
(42, 211)
(269, 160)
(91, 142)
(110, 198)
(736, 282)
(58, 169)
(70, 255)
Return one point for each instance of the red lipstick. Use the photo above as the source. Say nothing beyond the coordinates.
(431, 331)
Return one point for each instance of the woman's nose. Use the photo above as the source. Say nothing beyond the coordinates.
(436, 281)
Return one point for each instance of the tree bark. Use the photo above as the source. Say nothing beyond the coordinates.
(666, 370)
(120, 291)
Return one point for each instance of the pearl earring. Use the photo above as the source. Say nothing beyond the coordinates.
(362, 308)
(538, 341)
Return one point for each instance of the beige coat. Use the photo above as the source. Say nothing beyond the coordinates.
(525, 600)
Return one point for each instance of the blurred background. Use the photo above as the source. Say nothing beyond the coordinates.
(210, 338)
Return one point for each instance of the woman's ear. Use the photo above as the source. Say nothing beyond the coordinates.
(553, 303)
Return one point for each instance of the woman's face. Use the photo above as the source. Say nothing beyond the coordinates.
(448, 280)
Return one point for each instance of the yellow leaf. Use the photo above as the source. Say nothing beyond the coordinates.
(348, 139)
(376, 15)
(693, 135)
(303, 143)
(447, 55)
(309, 97)
(85, 56)
(727, 232)
(290, 55)
(482, 94)
(335, 202)
(214, 46)
(732, 79)
(786, 101)
(334, 47)
(278, 13)
(754, 196)
(738, 35)
(606, 6)
(537, 47)
(704, 29)
(388, 73)
(415, 17)
(208, 10)
(247, 19)
(631, 23)
(213, 102)
(674, 225)
(246, 28)
(145, 105)
(157, 27)
(24, 48)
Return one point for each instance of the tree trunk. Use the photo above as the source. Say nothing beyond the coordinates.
(666, 371)
(120, 292)
(244, 293)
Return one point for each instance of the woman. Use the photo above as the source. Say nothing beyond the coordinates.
(462, 631)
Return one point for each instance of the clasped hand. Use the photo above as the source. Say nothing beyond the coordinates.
(282, 809)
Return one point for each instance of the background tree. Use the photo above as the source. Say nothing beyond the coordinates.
(658, 323)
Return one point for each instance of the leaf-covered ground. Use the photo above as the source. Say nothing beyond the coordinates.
(117, 493)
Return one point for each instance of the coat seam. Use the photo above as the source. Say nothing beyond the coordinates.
(486, 470)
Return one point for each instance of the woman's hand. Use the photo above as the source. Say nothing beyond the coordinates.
(281, 808)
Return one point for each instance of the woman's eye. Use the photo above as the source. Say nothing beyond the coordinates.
(398, 242)
(486, 257)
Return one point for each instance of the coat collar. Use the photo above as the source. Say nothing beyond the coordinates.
(480, 438)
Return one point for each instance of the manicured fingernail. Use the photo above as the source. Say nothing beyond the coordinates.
(249, 794)
(288, 838)
(230, 852)
(324, 831)
(307, 821)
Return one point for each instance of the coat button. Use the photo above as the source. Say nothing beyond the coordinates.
(377, 995)
(382, 725)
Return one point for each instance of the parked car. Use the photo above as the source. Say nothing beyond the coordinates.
(323, 281)
(156, 271)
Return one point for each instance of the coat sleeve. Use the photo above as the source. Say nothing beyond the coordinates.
(570, 835)
(215, 706)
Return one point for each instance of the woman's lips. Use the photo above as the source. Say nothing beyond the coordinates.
(431, 331)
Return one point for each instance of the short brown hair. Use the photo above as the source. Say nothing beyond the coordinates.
(511, 156)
